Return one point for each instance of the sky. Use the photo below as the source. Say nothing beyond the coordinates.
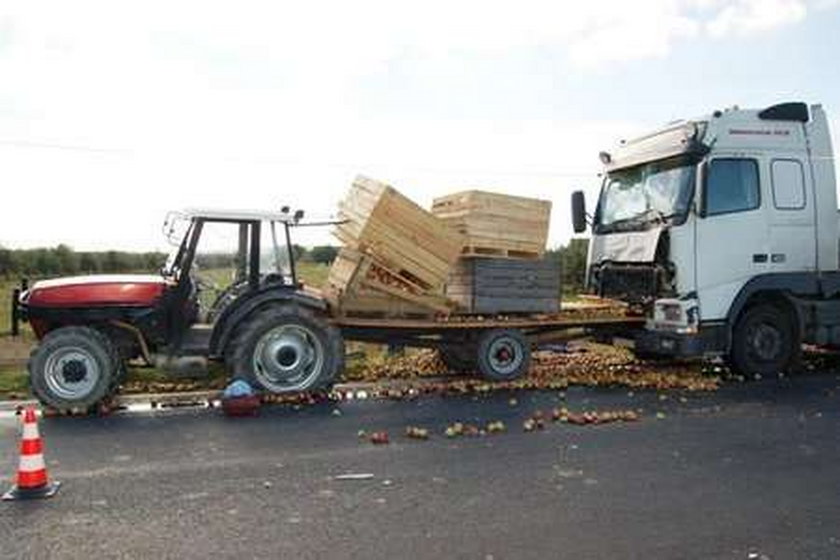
(113, 113)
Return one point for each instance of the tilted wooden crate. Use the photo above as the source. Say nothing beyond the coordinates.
(359, 285)
(497, 225)
(487, 285)
(398, 233)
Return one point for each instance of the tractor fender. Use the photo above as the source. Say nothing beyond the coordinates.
(244, 306)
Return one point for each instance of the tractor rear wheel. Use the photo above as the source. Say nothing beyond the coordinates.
(74, 368)
(286, 349)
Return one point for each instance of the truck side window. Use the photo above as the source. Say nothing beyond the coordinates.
(732, 186)
(788, 184)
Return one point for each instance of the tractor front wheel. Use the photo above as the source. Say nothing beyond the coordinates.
(74, 368)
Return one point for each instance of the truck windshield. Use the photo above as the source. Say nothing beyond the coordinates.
(652, 192)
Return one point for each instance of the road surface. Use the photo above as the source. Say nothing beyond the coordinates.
(750, 471)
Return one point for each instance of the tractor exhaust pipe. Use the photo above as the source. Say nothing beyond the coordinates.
(24, 285)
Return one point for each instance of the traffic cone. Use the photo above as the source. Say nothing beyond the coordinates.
(32, 479)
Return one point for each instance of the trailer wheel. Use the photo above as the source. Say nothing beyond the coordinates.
(74, 368)
(459, 359)
(287, 348)
(764, 342)
(503, 355)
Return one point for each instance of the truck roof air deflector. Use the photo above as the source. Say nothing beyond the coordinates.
(795, 111)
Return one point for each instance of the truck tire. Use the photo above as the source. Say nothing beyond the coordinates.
(764, 342)
(503, 355)
(285, 349)
(459, 358)
(74, 368)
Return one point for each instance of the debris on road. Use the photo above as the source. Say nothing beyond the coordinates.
(239, 399)
(354, 476)
(413, 432)
(588, 364)
(379, 438)
(496, 427)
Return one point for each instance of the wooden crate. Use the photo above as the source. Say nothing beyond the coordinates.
(487, 285)
(360, 285)
(398, 233)
(497, 225)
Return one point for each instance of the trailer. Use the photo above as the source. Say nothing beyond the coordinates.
(266, 326)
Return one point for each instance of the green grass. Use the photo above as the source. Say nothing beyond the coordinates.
(313, 274)
(13, 380)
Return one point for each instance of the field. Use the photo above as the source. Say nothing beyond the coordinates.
(14, 351)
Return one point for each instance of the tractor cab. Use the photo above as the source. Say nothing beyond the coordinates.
(218, 256)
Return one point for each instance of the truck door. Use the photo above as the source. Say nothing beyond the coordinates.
(791, 213)
(732, 243)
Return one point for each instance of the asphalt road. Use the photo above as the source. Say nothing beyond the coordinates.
(748, 472)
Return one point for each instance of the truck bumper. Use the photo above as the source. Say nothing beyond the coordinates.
(665, 344)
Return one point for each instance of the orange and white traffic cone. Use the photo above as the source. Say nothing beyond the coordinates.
(32, 479)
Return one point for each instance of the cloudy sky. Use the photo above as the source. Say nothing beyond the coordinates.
(111, 113)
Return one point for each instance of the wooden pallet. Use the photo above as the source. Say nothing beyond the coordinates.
(495, 224)
(397, 233)
(499, 253)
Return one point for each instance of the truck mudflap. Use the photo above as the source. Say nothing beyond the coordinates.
(665, 344)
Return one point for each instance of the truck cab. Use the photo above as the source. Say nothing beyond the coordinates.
(723, 231)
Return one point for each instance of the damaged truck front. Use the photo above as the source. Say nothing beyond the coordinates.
(723, 231)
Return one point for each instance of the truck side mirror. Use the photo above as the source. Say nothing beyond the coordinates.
(578, 212)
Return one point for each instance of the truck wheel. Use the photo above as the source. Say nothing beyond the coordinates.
(764, 342)
(503, 355)
(74, 367)
(287, 348)
(459, 359)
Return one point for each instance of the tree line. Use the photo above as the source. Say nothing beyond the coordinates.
(572, 257)
(63, 260)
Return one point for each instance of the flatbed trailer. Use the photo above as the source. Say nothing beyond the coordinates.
(497, 347)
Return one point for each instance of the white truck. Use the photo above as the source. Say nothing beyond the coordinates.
(724, 230)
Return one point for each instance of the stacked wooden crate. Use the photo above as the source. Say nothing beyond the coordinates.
(496, 225)
(396, 256)
(502, 268)
(491, 285)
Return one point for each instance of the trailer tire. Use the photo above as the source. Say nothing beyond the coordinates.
(764, 342)
(74, 368)
(287, 348)
(503, 355)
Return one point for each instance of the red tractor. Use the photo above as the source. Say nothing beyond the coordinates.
(263, 325)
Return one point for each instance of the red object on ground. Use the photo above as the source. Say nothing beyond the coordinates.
(241, 406)
(379, 438)
(32, 479)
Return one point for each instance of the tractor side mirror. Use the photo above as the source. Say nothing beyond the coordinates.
(578, 212)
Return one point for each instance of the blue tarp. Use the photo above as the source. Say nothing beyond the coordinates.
(238, 388)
